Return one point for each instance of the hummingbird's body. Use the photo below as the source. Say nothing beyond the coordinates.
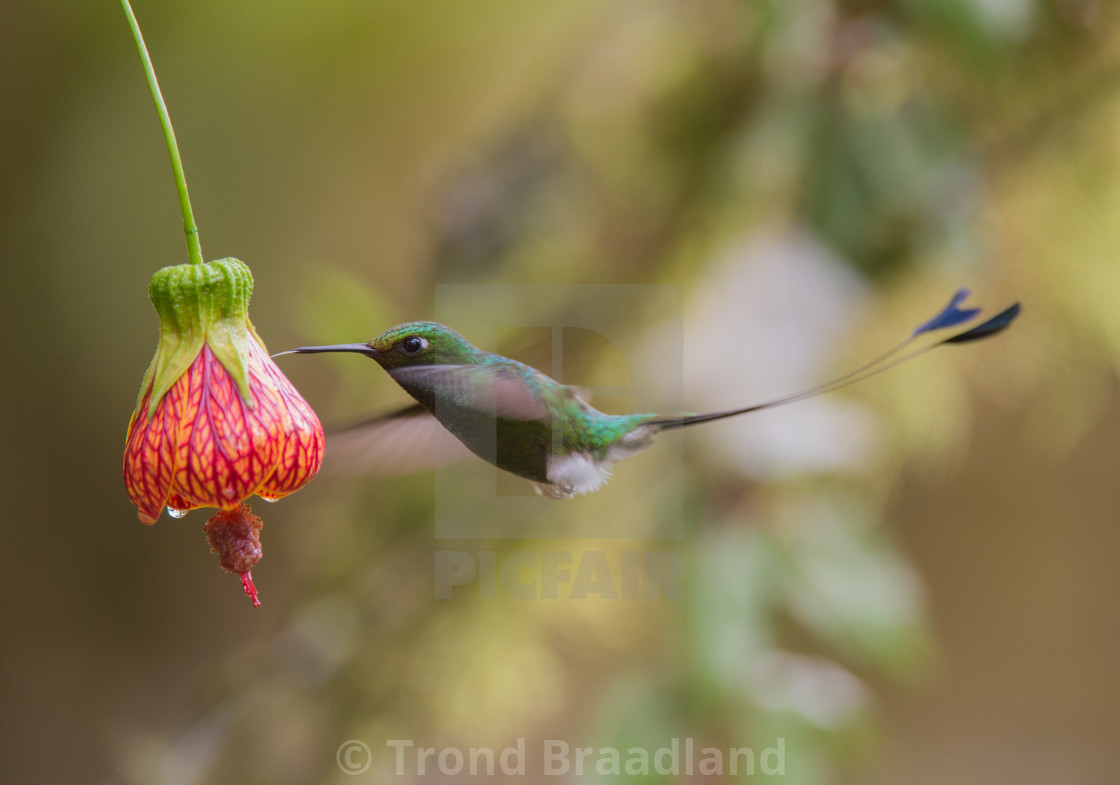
(524, 422)
(508, 413)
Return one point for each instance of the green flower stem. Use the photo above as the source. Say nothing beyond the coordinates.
(194, 249)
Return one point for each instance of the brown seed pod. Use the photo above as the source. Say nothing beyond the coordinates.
(235, 536)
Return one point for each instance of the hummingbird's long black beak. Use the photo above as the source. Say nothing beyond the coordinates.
(360, 348)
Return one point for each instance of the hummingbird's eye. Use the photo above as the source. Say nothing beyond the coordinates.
(414, 344)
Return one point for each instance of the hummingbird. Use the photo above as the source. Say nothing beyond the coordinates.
(524, 422)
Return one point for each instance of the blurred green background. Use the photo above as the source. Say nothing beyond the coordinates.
(913, 581)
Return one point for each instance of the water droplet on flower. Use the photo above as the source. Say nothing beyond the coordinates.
(176, 513)
(270, 501)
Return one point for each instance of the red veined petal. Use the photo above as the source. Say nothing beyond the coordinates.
(301, 452)
(150, 453)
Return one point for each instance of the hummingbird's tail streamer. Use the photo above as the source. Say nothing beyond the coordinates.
(950, 316)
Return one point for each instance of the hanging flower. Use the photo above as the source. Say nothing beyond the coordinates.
(216, 421)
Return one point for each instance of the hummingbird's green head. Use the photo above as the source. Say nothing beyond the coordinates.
(414, 343)
(422, 343)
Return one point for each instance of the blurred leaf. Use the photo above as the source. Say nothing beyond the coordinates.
(735, 577)
(849, 586)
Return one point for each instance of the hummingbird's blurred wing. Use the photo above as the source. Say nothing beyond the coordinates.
(401, 442)
(504, 390)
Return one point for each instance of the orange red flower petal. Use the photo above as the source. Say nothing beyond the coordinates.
(206, 446)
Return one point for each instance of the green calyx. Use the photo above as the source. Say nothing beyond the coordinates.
(200, 304)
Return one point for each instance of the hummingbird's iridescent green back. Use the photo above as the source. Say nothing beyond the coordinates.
(514, 416)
